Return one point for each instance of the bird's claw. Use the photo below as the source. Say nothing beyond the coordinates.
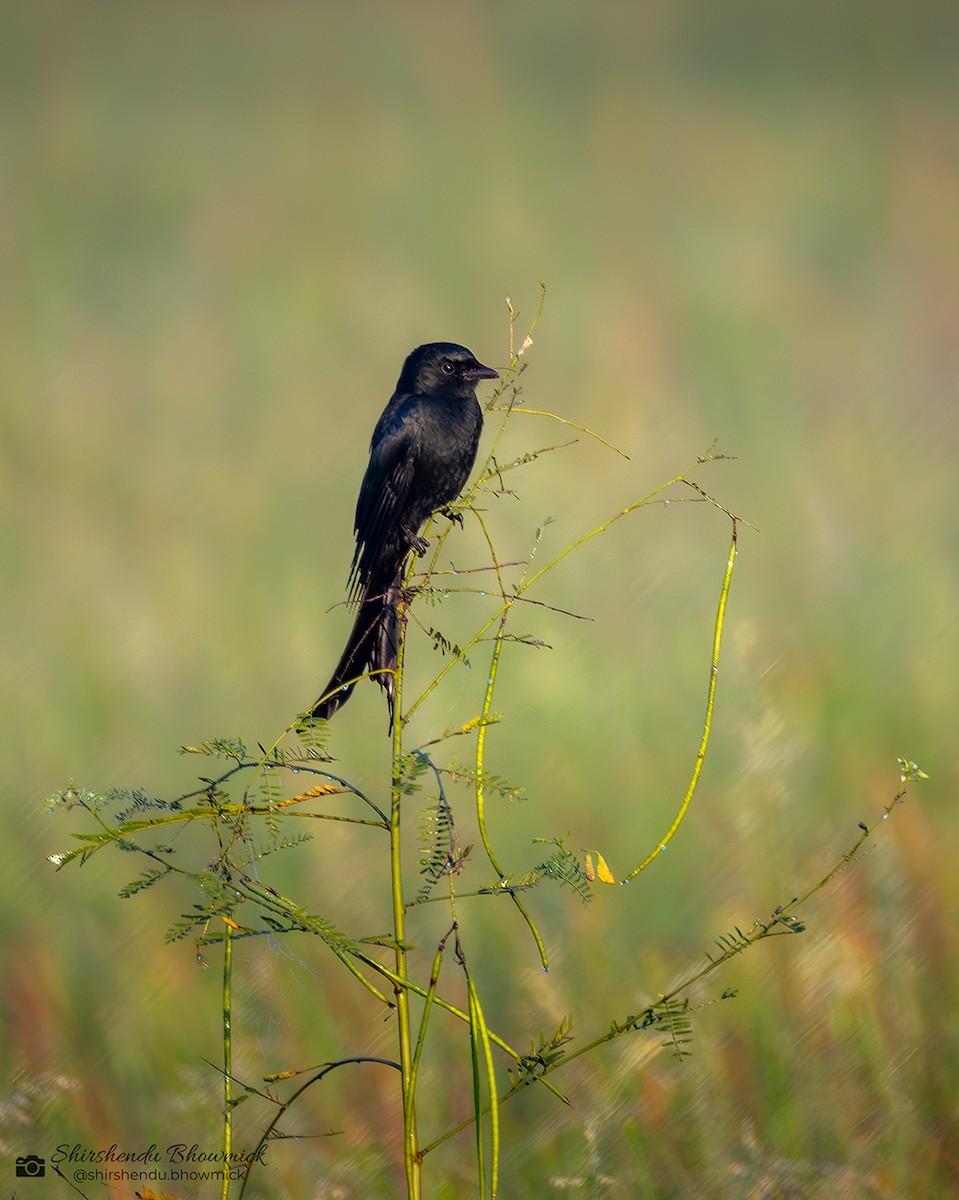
(450, 515)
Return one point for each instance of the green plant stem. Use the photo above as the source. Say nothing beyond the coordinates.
(481, 791)
(421, 1037)
(482, 1062)
(708, 723)
(411, 1157)
(227, 1060)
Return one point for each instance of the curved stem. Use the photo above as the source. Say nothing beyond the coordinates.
(708, 723)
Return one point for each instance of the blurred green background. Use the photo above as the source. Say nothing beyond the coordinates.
(223, 226)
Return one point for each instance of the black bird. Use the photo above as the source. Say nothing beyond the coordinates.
(422, 451)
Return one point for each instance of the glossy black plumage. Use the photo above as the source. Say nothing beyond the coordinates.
(421, 453)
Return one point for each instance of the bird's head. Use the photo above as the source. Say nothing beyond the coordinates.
(443, 367)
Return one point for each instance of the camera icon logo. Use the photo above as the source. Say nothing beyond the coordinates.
(31, 1166)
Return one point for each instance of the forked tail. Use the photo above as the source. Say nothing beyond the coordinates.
(372, 648)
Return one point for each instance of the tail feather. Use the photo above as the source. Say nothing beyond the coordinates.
(373, 646)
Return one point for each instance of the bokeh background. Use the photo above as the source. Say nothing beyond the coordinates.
(223, 226)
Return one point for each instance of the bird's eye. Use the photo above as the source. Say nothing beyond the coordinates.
(447, 367)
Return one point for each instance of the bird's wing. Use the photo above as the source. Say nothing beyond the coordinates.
(382, 503)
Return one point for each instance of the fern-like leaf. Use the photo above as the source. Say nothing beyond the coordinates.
(438, 842)
(673, 1018)
(542, 1056)
(148, 879)
(563, 867)
(233, 748)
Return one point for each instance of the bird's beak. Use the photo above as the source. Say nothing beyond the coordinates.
(478, 371)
